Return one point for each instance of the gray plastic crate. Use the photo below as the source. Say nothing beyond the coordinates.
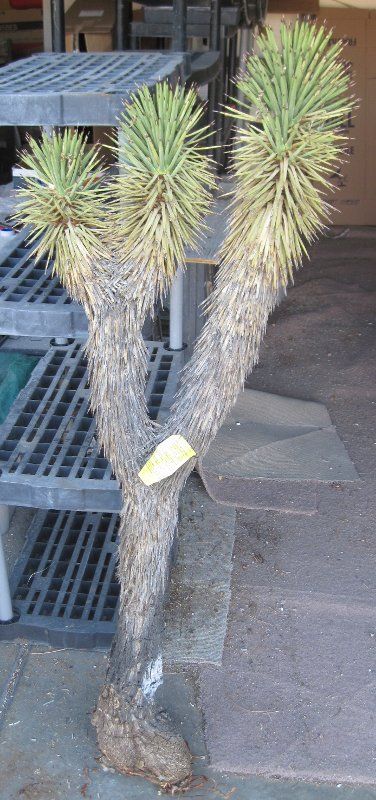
(65, 589)
(49, 457)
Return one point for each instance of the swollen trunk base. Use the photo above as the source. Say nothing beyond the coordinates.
(137, 740)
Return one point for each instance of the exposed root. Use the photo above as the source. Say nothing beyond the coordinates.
(136, 741)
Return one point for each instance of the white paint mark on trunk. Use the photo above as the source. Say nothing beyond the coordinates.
(152, 678)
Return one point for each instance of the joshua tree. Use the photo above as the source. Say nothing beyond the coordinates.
(116, 246)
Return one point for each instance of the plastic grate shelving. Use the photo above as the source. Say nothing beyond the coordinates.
(157, 21)
(49, 457)
(64, 584)
(32, 301)
(65, 590)
(79, 88)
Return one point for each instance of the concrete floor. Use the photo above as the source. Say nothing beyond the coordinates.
(290, 711)
(47, 746)
(298, 673)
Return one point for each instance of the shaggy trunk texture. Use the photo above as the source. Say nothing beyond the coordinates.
(131, 733)
(226, 351)
(133, 737)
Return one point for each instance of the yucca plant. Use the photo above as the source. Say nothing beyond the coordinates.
(163, 189)
(130, 236)
(65, 205)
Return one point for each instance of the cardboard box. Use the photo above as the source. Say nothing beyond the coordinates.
(23, 27)
(95, 21)
(300, 7)
(370, 193)
(355, 181)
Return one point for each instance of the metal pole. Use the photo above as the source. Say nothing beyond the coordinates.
(58, 26)
(213, 93)
(176, 311)
(179, 26)
(215, 25)
(123, 21)
(179, 44)
(4, 519)
(246, 45)
(6, 611)
(59, 341)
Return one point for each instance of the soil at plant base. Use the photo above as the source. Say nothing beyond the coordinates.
(297, 679)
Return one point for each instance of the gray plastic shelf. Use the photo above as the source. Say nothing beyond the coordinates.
(158, 21)
(196, 15)
(49, 457)
(206, 250)
(64, 584)
(80, 88)
(32, 301)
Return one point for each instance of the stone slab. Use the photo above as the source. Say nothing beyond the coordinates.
(200, 586)
(271, 453)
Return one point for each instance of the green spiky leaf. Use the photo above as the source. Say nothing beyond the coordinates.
(63, 203)
(163, 190)
(289, 139)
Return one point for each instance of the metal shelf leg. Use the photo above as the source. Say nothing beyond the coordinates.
(176, 311)
(6, 611)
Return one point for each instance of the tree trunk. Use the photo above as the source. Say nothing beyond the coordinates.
(225, 353)
(130, 732)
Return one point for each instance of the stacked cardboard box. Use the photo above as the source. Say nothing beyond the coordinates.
(296, 7)
(90, 25)
(355, 198)
(95, 21)
(23, 27)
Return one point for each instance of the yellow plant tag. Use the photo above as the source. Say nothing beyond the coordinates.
(168, 456)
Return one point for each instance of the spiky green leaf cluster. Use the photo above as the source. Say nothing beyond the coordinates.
(289, 138)
(63, 203)
(163, 190)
